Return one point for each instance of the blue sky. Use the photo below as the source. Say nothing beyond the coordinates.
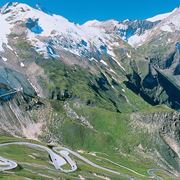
(80, 11)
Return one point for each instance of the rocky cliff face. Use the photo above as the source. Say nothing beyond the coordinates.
(157, 81)
(164, 129)
(23, 116)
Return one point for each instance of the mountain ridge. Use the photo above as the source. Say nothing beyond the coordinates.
(108, 87)
(123, 31)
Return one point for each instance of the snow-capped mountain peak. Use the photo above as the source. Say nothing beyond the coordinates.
(96, 23)
(13, 7)
(169, 22)
(161, 17)
(92, 23)
(172, 22)
(56, 31)
(50, 32)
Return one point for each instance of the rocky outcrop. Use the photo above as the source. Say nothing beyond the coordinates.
(164, 127)
(23, 116)
(79, 118)
(157, 86)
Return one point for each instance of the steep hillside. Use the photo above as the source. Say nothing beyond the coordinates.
(101, 87)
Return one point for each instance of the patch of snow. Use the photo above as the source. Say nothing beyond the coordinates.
(49, 32)
(137, 40)
(9, 47)
(172, 23)
(112, 86)
(34, 87)
(128, 55)
(119, 65)
(127, 100)
(93, 59)
(4, 32)
(92, 23)
(169, 23)
(111, 47)
(123, 90)
(111, 53)
(63, 33)
(160, 17)
(111, 70)
(5, 8)
(40, 47)
(126, 20)
(22, 64)
(103, 62)
(166, 28)
(15, 53)
(169, 40)
(4, 59)
(122, 27)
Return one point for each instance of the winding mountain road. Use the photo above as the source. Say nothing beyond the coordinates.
(6, 164)
(88, 161)
(60, 156)
(151, 172)
(57, 160)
